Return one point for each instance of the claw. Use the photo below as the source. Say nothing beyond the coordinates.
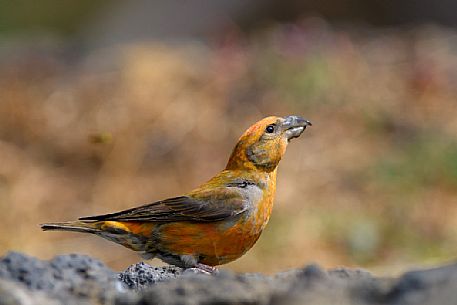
(208, 269)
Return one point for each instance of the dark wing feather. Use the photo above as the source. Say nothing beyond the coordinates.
(213, 206)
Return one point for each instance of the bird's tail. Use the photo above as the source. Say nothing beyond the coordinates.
(75, 226)
(133, 236)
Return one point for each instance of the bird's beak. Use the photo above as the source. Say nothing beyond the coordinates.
(294, 126)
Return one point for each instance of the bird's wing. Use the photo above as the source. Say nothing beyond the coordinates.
(209, 206)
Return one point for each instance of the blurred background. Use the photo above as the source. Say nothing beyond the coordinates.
(105, 105)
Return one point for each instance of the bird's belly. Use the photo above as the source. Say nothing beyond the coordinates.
(211, 243)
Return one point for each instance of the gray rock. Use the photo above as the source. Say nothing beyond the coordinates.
(78, 279)
(223, 288)
(12, 293)
(312, 285)
(70, 278)
(141, 275)
(432, 286)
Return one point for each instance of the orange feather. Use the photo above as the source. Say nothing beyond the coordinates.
(217, 222)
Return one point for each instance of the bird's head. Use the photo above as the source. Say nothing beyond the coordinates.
(262, 146)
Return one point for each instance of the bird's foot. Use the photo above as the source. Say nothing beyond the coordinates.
(202, 269)
(209, 269)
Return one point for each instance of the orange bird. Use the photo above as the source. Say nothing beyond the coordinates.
(217, 222)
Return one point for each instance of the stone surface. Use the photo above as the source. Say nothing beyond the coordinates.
(78, 279)
(72, 279)
(141, 275)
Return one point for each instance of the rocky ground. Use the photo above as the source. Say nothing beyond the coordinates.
(77, 279)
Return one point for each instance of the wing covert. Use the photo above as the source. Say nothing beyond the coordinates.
(212, 206)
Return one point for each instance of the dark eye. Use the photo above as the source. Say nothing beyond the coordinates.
(270, 128)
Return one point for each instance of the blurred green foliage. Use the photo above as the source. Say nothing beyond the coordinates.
(425, 160)
(60, 17)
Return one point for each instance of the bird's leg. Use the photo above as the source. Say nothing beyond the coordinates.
(206, 268)
(202, 269)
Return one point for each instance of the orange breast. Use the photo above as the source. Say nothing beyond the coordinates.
(219, 242)
(212, 243)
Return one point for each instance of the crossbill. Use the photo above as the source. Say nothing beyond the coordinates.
(217, 222)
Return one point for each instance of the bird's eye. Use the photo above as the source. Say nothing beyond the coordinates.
(270, 128)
